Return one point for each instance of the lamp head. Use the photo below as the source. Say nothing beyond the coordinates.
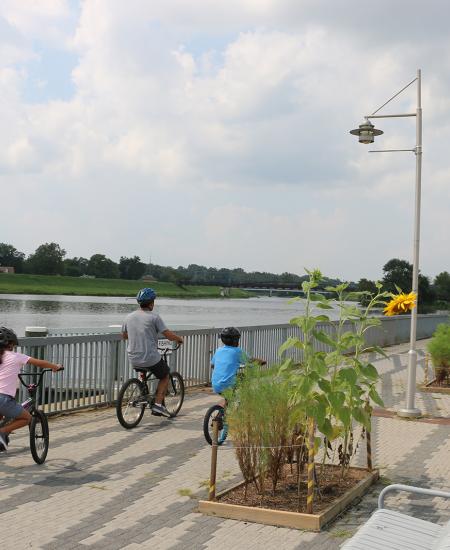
(366, 132)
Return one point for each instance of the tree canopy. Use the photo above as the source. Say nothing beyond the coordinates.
(102, 267)
(49, 259)
(11, 257)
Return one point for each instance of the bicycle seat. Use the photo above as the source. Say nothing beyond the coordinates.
(142, 369)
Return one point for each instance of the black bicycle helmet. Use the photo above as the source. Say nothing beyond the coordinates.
(230, 336)
(8, 336)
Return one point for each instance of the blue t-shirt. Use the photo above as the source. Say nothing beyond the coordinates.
(226, 361)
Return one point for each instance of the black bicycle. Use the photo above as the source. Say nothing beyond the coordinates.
(39, 430)
(137, 394)
(215, 413)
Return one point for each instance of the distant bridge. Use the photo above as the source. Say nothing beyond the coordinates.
(274, 288)
(263, 285)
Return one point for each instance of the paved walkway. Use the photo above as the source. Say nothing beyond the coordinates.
(103, 487)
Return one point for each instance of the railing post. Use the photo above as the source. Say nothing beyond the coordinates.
(38, 352)
(111, 371)
(208, 355)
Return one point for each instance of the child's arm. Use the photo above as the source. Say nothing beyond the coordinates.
(44, 364)
(247, 359)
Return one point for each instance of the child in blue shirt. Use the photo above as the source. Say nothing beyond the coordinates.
(227, 359)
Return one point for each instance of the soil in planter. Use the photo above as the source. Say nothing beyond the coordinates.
(286, 494)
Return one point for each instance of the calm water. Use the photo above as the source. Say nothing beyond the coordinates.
(88, 312)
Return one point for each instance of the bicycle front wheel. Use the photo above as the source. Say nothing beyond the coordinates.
(175, 393)
(216, 412)
(39, 437)
(131, 403)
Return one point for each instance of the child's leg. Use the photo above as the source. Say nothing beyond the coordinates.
(20, 421)
(223, 402)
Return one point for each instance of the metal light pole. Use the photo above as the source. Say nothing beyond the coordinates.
(366, 133)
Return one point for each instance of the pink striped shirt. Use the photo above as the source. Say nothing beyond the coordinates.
(10, 367)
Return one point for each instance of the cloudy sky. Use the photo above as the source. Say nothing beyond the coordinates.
(216, 132)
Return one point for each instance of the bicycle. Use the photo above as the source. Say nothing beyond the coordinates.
(218, 412)
(39, 430)
(135, 395)
(215, 413)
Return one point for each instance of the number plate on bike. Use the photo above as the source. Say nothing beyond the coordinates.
(163, 344)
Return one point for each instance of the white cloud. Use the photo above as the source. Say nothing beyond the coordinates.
(195, 122)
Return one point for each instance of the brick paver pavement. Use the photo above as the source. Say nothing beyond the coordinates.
(104, 487)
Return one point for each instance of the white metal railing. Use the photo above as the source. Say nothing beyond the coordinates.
(95, 365)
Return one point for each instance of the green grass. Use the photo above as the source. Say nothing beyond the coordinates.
(77, 286)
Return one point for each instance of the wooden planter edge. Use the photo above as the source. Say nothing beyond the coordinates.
(434, 389)
(281, 518)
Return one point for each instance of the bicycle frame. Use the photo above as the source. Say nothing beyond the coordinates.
(30, 403)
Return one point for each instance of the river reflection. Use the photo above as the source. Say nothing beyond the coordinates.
(92, 312)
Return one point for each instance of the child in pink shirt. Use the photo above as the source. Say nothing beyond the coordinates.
(10, 366)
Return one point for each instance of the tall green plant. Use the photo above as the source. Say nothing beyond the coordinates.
(259, 421)
(337, 387)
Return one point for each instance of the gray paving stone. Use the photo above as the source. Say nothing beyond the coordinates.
(116, 487)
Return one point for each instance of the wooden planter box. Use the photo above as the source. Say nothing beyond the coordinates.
(280, 518)
(434, 389)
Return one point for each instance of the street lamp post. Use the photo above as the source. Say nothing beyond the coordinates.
(366, 134)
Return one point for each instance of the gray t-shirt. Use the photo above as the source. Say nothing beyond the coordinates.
(143, 328)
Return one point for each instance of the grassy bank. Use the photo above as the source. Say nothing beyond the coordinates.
(75, 286)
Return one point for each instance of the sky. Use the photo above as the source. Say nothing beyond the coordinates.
(217, 132)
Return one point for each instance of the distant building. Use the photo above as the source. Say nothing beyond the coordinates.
(4, 269)
(148, 278)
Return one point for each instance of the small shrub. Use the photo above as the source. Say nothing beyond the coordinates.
(439, 349)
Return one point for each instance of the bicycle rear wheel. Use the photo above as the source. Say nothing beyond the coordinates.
(39, 437)
(216, 412)
(131, 403)
(175, 393)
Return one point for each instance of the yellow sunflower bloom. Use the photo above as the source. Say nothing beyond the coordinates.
(402, 303)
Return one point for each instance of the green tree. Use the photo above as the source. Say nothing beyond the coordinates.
(46, 260)
(102, 267)
(11, 257)
(364, 285)
(442, 286)
(131, 268)
(75, 267)
(399, 273)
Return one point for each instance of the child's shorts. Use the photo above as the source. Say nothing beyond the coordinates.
(9, 408)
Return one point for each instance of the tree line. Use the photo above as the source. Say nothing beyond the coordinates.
(50, 259)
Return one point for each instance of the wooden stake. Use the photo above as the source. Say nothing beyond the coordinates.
(369, 440)
(310, 496)
(214, 447)
(425, 378)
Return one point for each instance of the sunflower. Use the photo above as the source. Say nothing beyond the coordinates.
(400, 303)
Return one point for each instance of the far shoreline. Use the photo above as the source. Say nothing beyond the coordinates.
(56, 285)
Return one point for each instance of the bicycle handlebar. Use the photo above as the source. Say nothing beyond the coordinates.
(39, 374)
(166, 349)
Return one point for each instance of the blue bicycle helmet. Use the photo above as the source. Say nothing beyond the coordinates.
(145, 296)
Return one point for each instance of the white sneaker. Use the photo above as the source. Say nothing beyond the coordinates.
(161, 411)
(3, 442)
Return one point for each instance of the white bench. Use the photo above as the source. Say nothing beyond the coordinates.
(391, 530)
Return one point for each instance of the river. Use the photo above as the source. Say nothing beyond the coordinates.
(91, 312)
